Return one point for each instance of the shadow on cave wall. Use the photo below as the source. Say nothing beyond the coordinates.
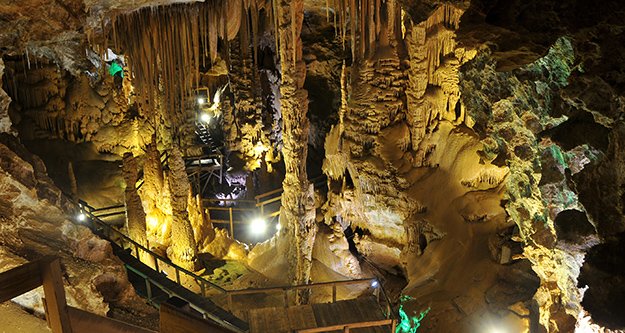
(604, 274)
(521, 31)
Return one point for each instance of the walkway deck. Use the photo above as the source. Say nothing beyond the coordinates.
(325, 315)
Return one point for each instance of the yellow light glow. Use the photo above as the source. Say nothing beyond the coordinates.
(81, 217)
(163, 228)
(205, 117)
(494, 329)
(200, 101)
(152, 222)
(258, 226)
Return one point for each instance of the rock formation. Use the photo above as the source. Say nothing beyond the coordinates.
(472, 149)
(297, 212)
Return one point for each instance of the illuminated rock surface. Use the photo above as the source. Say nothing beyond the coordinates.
(473, 150)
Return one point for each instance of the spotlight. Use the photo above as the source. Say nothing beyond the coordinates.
(205, 117)
(200, 101)
(258, 226)
(81, 217)
(493, 329)
(375, 284)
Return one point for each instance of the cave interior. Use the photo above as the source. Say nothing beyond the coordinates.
(313, 166)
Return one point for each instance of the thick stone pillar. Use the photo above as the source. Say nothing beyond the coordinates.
(183, 249)
(297, 214)
(135, 216)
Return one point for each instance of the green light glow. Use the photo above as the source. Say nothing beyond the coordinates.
(409, 324)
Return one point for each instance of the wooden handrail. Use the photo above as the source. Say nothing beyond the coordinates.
(61, 318)
(266, 194)
(347, 327)
(268, 201)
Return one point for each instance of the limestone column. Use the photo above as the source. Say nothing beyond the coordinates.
(183, 249)
(5, 100)
(297, 214)
(135, 216)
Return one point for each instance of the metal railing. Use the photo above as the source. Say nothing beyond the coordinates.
(109, 211)
(347, 327)
(372, 284)
(182, 276)
(140, 252)
(266, 205)
(196, 170)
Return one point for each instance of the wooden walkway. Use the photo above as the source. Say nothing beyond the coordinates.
(355, 312)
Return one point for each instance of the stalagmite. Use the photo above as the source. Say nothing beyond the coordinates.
(73, 185)
(182, 250)
(297, 214)
(135, 216)
(152, 178)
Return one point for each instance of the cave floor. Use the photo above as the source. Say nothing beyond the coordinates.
(16, 320)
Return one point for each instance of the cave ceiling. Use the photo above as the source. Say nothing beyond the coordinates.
(472, 150)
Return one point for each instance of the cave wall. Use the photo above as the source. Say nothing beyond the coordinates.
(475, 153)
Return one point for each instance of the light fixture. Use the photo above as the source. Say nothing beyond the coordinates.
(375, 284)
(258, 226)
(81, 217)
(205, 117)
(200, 100)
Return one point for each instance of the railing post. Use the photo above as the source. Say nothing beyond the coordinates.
(202, 288)
(221, 168)
(346, 329)
(199, 174)
(393, 325)
(137, 251)
(230, 302)
(177, 275)
(55, 302)
(148, 287)
(262, 210)
(231, 223)
(333, 293)
(155, 263)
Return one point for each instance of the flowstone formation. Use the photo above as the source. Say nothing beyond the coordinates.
(472, 150)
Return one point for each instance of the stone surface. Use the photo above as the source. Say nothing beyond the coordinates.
(35, 222)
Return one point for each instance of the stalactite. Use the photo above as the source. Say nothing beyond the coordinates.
(163, 46)
(245, 133)
(428, 43)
